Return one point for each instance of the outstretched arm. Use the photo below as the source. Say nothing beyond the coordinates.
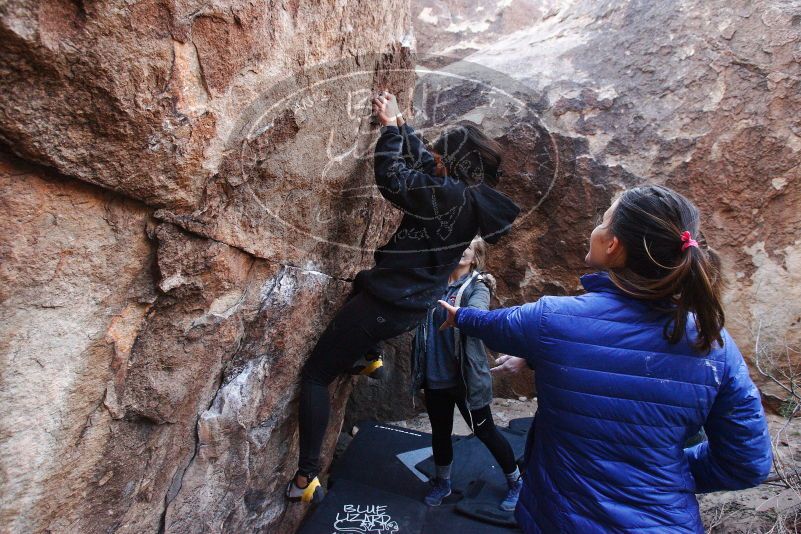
(405, 187)
(509, 330)
(738, 454)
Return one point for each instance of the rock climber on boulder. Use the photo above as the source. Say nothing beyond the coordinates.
(446, 202)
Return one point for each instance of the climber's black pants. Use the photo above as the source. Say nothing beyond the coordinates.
(439, 405)
(359, 325)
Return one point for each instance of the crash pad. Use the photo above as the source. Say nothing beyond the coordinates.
(373, 489)
(472, 461)
(372, 459)
(358, 508)
(520, 425)
(481, 501)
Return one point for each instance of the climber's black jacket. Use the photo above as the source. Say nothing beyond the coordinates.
(441, 216)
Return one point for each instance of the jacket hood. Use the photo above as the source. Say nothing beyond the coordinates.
(483, 276)
(496, 212)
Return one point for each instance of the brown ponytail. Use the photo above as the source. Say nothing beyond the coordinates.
(649, 222)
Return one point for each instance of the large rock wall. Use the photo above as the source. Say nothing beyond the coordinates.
(174, 190)
(185, 203)
(704, 97)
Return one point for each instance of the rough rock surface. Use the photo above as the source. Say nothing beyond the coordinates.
(177, 228)
(185, 200)
(149, 373)
(701, 96)
(76, 287)
(453, 29)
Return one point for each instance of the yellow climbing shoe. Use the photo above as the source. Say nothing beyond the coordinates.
(313, 492)
(372, 365)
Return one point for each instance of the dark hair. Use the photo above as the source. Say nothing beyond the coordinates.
(649, 222)
(469, 154)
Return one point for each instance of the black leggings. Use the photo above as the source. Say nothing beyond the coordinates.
(439, 405)
(359, 325)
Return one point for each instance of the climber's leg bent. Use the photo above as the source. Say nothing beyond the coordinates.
(340, 345)
(361, 323)
(371, 364)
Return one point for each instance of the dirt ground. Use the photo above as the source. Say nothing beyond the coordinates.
(769, 508)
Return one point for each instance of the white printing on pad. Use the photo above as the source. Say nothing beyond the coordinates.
(368, 519)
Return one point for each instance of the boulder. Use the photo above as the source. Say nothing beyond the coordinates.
(187, 191)
(703, 98)
(187, 194)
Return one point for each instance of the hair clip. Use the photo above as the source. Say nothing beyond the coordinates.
(688, 240)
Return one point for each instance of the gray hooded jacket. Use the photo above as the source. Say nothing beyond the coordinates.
(473, 291)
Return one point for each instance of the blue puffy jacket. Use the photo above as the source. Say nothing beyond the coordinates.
(617, 402)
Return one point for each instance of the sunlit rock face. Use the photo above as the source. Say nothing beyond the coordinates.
(702, 97)
(187, 191)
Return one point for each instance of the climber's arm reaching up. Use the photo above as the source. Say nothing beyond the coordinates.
(405, 187)
(414, 150)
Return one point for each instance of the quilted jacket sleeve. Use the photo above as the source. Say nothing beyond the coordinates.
(738, 452)
(513, 331)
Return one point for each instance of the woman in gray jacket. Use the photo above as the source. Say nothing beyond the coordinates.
(453, 371)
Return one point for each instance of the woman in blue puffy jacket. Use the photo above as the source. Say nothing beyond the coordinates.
(625, 374)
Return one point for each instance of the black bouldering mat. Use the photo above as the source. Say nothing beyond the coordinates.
(357, 508)
(372, 491)
(446, 520)
(520, 425)
(371, 459)
(473, 461)
(481, 501)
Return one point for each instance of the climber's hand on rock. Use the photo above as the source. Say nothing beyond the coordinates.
(508, 365)
(403, 112)
(385, 107)
(450, 322)
(392, 105)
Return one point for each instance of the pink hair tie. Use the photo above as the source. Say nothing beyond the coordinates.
(688, 240)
